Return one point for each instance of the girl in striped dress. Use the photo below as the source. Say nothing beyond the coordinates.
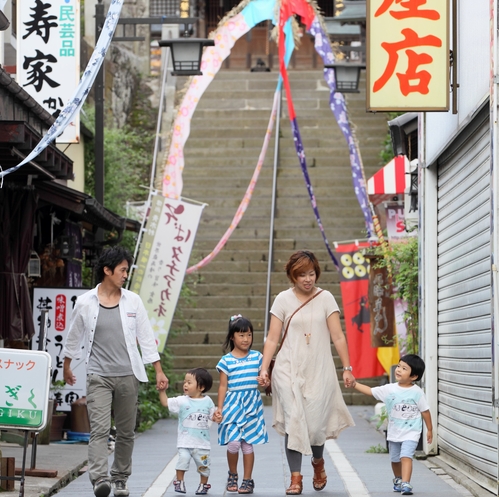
(240, 407)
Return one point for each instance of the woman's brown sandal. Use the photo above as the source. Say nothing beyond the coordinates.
(320, 478)
(296, 486)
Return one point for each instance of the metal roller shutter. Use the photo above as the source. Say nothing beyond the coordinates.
(466, 430)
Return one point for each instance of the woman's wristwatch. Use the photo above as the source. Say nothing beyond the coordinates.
(347, 368)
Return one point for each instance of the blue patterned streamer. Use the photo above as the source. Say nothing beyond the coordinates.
(74, 105)
(339, 108)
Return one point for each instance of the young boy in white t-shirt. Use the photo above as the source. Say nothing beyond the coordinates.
(405, 405)
(195, 414)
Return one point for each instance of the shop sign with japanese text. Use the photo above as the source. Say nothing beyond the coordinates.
(24, 388)
(59, 302)
(164, 253)
(48, 55)
(408, 55)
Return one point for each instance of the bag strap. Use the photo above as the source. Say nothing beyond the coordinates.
(289, 320)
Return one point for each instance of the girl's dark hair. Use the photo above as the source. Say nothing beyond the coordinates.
(416, 364)
(203, 378)
(236, 324)
(110, 258)
(301, 261)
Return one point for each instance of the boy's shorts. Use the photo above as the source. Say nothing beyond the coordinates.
(201, 458)
(402, 449)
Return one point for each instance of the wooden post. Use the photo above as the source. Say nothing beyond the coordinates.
(7, 468)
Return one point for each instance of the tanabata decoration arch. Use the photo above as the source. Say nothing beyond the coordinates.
(237, 23)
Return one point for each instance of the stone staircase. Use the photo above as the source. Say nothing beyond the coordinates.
(227, 132)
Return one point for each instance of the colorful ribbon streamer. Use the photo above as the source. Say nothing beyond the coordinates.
(87, 80)
(225, 37)
(339, 108)
(249, 192)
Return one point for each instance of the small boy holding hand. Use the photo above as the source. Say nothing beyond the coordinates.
(195, 413)
(405, 404)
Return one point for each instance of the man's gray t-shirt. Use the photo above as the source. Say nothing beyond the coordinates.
(109, 355)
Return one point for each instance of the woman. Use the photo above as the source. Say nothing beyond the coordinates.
(308, 407)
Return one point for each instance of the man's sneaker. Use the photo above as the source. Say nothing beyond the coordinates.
(203, 489)
(120, 488)
(405, 488)
(397, 483)
(179, 486)
(102, 487)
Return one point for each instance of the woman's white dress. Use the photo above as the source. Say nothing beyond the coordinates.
(307, 402)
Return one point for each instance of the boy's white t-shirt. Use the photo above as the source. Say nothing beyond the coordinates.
(404, 407)
(194, 420)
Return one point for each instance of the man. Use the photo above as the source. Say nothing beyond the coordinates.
(109, 321)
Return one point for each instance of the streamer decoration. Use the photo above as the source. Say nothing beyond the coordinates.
(233, 26)
(82, 90)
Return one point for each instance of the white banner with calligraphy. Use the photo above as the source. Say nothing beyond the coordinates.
(48, 55)
(163, 257)
(408, 55)
(59, 302)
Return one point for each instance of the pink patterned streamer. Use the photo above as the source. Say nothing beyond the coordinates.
(225, 37)
(247, 196)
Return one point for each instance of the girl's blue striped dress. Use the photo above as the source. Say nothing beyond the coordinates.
(243, 408)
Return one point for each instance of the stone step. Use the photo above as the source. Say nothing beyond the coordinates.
(303, 237)
(245, 164)
(287, 150)
(289, 188)
(310, 103)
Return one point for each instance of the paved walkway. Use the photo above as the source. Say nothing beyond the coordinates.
(352, 472)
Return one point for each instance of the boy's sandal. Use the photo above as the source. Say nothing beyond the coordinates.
(203, 489)
(246, 487)
(232, 482)
(296, 486)
(319, 479)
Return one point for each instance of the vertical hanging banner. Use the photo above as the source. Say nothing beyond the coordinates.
(48, 56)
(382, 307)
(408, 55)
(162, 261)
(354, 284)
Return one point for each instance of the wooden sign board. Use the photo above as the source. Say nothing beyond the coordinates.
(24, 389)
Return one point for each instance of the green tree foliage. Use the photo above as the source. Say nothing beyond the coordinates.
(402, 259)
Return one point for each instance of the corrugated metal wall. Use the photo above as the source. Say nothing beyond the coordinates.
(466, 431)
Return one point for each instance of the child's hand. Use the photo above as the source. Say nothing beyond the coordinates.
(350, 382)
(263, 379)
(217, 416)
(429, 436)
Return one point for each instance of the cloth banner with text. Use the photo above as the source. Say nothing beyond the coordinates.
(162, 261)
(354, 284)
(381, 306)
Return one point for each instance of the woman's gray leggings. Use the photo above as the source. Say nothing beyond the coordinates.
(294, 457)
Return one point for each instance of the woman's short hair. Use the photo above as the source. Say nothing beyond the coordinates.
(302, 261)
